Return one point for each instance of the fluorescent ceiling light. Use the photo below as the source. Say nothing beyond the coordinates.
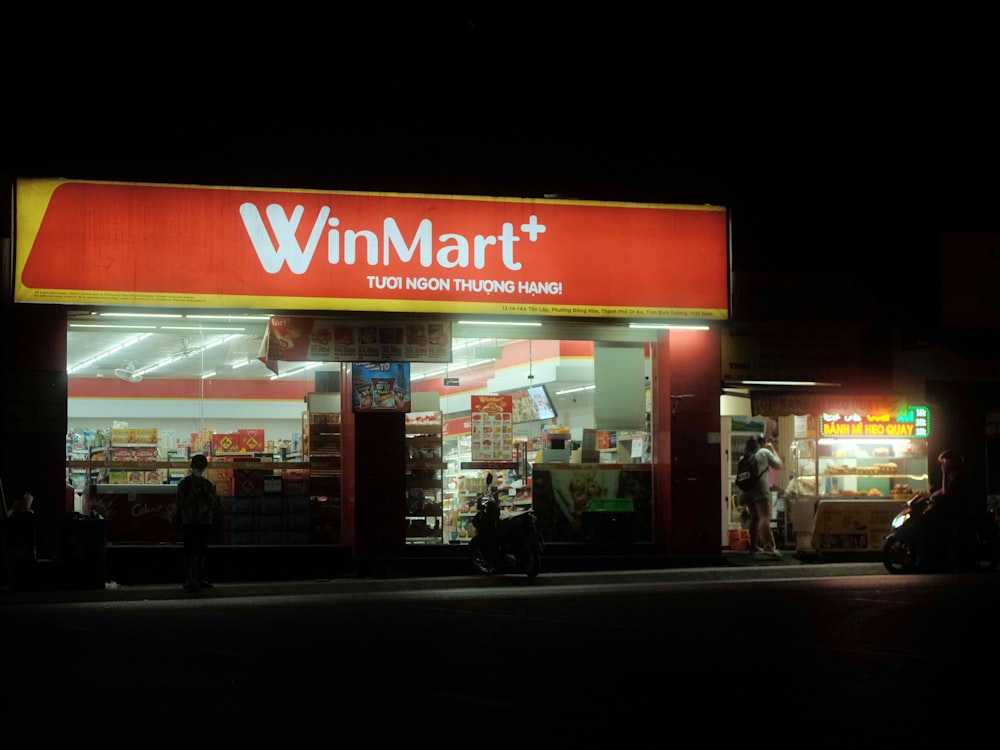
(497, 323)
(139, 315)
(786, 382)
(119, 326)
(201, 328)
(228, 317)
(576, 390)
(98, 357)
(207, 375)
(297, 371)
(450, 369)
(244, 363)
(674, 326)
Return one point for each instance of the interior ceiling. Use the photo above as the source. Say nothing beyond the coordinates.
(189, 347)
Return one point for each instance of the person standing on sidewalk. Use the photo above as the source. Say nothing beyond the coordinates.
(198, 503)
(757, 499)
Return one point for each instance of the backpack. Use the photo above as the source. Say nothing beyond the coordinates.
(203, 493)
(747, 472)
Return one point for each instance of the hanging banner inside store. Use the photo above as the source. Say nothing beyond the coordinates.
(306, 339)
(381, 386)
(492, 428)
(99, 243)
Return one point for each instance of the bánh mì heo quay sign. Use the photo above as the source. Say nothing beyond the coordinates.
(913, 422)
(82, 242)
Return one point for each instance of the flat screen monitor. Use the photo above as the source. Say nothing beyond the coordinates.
(532, 403)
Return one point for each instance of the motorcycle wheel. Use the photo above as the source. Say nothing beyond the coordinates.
(480, 561)
(898, 556)
(532, 560)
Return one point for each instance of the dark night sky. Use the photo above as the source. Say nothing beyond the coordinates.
(849, 137)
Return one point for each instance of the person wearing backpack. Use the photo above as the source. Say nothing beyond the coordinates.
(755, 494)
(198, 503)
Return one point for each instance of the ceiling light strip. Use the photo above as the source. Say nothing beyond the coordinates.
(98, 357)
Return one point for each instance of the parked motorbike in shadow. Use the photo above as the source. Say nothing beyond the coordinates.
(977, 543)
(512, 544)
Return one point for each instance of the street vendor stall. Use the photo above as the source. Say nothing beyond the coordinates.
(856, 476)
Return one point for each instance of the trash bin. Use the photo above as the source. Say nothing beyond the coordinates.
(83, 552)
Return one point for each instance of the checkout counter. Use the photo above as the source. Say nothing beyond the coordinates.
(593, 503)
(135, 512)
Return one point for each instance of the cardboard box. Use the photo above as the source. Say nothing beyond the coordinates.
(120, 435)
(225, 442)
(298, 487)
(145, 435)
(250, 440)
(248, 483)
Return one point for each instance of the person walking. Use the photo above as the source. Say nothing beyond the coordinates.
(757, 499)
(198, 503)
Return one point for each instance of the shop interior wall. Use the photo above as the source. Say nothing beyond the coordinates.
(177, 418)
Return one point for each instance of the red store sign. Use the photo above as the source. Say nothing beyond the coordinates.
(80, 242)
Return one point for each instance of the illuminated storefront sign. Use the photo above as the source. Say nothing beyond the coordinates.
(104, 243)
(913, 422)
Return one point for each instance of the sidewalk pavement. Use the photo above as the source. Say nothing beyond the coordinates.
(730, 566)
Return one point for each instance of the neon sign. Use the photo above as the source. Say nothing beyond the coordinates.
(913, 422)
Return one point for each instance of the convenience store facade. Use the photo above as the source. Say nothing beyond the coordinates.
(593, 268)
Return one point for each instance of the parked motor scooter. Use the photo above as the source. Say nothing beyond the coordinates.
(978, 543)
(510, 544)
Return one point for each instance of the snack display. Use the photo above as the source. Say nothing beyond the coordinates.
(886, 469)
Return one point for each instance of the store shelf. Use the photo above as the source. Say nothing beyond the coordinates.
(321, 448)
(424, 479)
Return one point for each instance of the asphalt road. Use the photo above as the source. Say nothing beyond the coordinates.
(762, 658)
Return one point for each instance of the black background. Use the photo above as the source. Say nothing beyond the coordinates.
(829, 135)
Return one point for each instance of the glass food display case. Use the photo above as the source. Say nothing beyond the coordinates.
(866, 466)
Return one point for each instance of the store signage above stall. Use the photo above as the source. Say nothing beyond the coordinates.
(913, 422)
(100, 243)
